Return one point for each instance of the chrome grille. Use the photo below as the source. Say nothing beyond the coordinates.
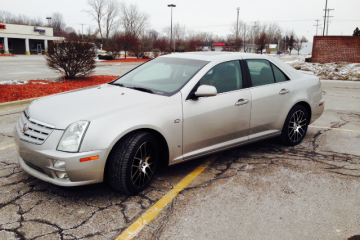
(37, 132)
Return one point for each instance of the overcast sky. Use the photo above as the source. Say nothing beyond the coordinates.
(210, 15)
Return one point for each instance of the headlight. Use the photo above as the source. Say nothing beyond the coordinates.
(72, 137)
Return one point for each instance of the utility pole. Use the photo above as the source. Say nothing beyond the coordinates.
(325, 18)
(327, 24)
(317, 25)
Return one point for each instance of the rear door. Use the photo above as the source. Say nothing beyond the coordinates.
(272, 95)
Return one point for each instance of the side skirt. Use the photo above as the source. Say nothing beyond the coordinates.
(228, 147)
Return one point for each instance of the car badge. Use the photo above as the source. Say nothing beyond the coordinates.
(25, 128)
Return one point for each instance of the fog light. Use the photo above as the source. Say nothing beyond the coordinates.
(60, 166)
(61, 175)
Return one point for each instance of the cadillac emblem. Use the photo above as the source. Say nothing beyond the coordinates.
(25, 128)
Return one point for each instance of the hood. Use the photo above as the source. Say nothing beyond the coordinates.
(84, 104)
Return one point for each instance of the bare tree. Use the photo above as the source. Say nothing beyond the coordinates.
(5, 16)
(179, 33)
(262, 41)
(162, 44)
(98, 12)
(8, 17)
(240, 29)
(273, 31)
(299, 44)
(128, 41)
(167, 31)
(290, 40)
(112, 17)
(57, 23)
(133, 21)
(207, 36)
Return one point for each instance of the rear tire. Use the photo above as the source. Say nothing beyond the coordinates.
(295, 126)
(133, 162)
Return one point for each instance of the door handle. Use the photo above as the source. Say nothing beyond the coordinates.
(241, 102)
(284, 91)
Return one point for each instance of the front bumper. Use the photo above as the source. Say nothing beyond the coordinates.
(38, 161)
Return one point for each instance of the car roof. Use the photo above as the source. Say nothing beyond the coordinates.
(229, 56)
(211, 56)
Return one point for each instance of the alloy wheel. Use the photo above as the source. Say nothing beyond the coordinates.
(297, 126)
(142, 166)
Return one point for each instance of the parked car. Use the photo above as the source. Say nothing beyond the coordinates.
(171, 109)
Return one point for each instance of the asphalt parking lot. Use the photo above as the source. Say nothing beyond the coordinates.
(259, 191)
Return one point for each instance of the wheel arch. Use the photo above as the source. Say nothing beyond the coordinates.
(306, 106)
(163, 145)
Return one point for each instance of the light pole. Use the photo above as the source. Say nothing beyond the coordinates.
(171, 6)
(48, 18)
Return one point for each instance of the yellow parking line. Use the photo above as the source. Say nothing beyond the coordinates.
(6, 147)
(338, 129)
(150, 214)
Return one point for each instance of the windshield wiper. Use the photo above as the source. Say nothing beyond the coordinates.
(143, 89)
(118, 84)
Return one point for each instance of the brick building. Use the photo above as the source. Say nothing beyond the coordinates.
(328, 49)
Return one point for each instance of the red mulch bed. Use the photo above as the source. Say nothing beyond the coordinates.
(34, 88)
(127, 60)
(6, 55)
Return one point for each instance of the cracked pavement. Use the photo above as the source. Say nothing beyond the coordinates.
(259, 191)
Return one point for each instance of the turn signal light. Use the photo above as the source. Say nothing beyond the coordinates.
(89, 159)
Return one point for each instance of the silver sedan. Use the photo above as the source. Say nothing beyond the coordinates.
(169, 110)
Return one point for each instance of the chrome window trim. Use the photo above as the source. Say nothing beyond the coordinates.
(269, 84)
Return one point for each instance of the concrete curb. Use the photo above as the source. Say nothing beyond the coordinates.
(20, 102)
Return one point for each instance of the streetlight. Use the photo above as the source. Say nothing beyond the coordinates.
(48, 18)
(171, 6)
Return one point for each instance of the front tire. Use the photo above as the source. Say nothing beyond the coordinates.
(132, 162)
(295, 126)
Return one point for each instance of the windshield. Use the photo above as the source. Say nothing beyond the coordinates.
(163, 76)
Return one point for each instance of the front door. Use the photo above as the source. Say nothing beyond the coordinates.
(212, 123)
(39, 50)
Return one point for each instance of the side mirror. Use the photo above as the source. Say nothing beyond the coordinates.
(206, 91)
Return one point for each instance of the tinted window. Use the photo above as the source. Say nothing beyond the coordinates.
(225, 77)
(279, 75)
(260, 72)
(163, 75)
